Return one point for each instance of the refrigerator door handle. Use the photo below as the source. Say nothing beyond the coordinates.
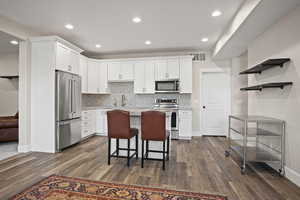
(74, 97)
(70, 96)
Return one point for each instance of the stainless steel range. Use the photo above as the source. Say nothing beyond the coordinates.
(171, 105)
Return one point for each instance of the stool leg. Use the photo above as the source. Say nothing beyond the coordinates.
(147, 149)
(117, 147)
(164, 155)
(108, 156)
(142, 153)
(128, 152)
(168, 148)
(136, 146)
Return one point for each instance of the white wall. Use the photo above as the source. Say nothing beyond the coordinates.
(239, 99)
(280, 40)
(8, 88)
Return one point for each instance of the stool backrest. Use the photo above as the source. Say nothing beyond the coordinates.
(118, 124)
(153, 125)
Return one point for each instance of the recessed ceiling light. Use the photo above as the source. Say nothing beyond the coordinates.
(98, 46)
(69, 26)
(148, 42)
(216, 13)
(204, 39)
(14, 42)
(136, 20)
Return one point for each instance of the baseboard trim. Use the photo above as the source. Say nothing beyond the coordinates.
(185, 138)
(196, 133)
(292, 175)
(23, 148)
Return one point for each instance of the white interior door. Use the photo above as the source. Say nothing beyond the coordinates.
(215, 101)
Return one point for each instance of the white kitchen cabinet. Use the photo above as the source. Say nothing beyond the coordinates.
(114, 71)
(62, 57)
(173, 68)
(185, 124)
(101, 122)
(93, 76)
(88, 123)
(120, 71)
(167, 69)
(66, 59)
(144, 79)
(102, 79)
(83, 72)
(74, 62)
(97, 77)
(161, 70)
(186, 75)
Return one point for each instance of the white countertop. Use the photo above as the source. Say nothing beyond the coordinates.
(131, 109)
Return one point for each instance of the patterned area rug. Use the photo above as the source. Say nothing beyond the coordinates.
(66, 188)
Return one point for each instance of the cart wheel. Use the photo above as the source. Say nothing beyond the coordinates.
(227, 153)
(243, 170)
(280, 172)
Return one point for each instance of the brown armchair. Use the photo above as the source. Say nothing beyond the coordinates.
(9, 128)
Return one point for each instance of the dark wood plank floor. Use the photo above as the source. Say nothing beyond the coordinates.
(197, 165)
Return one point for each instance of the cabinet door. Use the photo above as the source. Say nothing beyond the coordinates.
(186, 75)
(149, 77)
(99, 121)
(185, 124)
(93, 68)
(62, 57)
(74, 62)
(173, 68)
(83, 71)
(127, 71)
(139, 77)
(102, 80)
(161, 70)
(114, 71)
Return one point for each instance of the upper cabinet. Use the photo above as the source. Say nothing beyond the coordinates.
(67, 59)
(144, 77)
(83, 72)
(186, 74)
(173, 68)
(167, 68)
(120, 71)
(97, 77)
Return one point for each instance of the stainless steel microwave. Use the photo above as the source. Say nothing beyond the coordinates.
(170, 86)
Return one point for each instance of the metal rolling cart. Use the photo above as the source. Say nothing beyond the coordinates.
(257, 139)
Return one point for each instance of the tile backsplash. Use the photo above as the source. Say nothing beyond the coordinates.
(131, 99)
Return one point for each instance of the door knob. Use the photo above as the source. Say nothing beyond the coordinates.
(203, 107)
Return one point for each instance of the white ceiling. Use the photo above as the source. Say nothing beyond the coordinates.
(5, 45)
(251, 29)
(169, 24)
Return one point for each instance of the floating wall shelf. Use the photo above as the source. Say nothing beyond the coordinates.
(266, 65)
(10, 77)
(267, 85)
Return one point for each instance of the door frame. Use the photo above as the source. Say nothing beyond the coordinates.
(226, 70)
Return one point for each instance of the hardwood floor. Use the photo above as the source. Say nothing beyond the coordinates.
(197, 165)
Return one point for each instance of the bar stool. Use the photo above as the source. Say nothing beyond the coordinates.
(119, 128)
(153, 125)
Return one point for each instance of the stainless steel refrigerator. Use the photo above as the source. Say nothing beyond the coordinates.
(68, 109)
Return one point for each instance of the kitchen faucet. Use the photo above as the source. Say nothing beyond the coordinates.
(123, 100)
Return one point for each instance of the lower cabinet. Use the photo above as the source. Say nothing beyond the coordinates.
(185, 124)
(101, 122)
(88, 123)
